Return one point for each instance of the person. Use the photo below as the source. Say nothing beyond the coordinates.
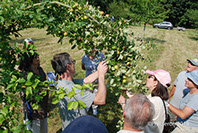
(137, 112)
(179, 90)
(85, 124)
(28, 41)
(188, 109)
(64, 65)
(89, 64)
(157, 83)
(37, 118)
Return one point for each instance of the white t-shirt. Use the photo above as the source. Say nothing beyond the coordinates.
(157, 125)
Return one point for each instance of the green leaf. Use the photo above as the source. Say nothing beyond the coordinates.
(29, 90)
(82, 92)
(70, 105)
(4, 130)
(28, 83)
(35, 106)
(81, 104)
(61, 95)
(2, 118)
(55, 101)
(21, 80)
(77, 86)
(10, 85)
(4, 110)
(30, 74)
(75, 105)
(43, 93)
(71, 94)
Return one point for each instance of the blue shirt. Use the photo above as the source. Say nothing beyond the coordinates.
(91, 65)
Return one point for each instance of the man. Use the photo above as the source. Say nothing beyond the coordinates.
(179, 90)
(64, 65)
(137, 112)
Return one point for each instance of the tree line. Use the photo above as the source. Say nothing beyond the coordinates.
(179, 12)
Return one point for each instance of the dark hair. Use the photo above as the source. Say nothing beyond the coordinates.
(26, 60)
(160, 91)
(60, 61)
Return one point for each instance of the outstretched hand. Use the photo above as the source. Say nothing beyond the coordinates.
(102, 68)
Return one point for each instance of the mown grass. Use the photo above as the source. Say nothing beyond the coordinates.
(171, 51)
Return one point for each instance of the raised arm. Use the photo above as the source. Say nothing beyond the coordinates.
(172, 92)
(91, 78)
(100, 97)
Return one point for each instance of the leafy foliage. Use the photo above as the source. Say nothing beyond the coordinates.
(86, 27)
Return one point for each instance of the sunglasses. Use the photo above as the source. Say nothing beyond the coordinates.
(73, 61)
(150, 76)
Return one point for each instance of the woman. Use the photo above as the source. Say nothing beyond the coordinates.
(90, 64)
(188, 109)
(38, 118)
(157, 83)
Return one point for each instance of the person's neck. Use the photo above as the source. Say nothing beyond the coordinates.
(66, 76)
(193, 91)
(128, 127)
(35, 68)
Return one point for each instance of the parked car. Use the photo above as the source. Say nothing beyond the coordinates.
(164, 25)
(181, 29)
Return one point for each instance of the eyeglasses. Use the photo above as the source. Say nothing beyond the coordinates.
(73, 61)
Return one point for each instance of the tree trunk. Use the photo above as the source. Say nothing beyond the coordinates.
(143, 30)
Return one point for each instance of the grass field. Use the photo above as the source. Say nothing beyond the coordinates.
(172, 49)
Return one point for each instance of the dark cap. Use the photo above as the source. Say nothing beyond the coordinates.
(86, 124)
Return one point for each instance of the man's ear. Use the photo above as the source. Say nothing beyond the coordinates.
(68, 67)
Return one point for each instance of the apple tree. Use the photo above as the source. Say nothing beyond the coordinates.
(86, 27)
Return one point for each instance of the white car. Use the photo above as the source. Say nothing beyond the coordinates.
(181, 29)
(164, 25)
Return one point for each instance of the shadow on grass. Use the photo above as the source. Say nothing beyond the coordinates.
(194, 38)
(155, 40)
(109, 113)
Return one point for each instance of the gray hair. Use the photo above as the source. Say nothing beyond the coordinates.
(60, 61)
(139, 111)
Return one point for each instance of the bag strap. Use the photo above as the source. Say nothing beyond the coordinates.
(29, 109)
(165, 108)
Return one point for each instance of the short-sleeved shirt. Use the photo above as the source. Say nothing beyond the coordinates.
(180, 89)
(91, 65)
(190, 100)
(69, 115)
(157, 124)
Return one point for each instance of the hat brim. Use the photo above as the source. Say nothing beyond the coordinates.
(150, 72)
(189, 75)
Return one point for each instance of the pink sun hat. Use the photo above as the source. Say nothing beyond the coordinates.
(162, 76)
